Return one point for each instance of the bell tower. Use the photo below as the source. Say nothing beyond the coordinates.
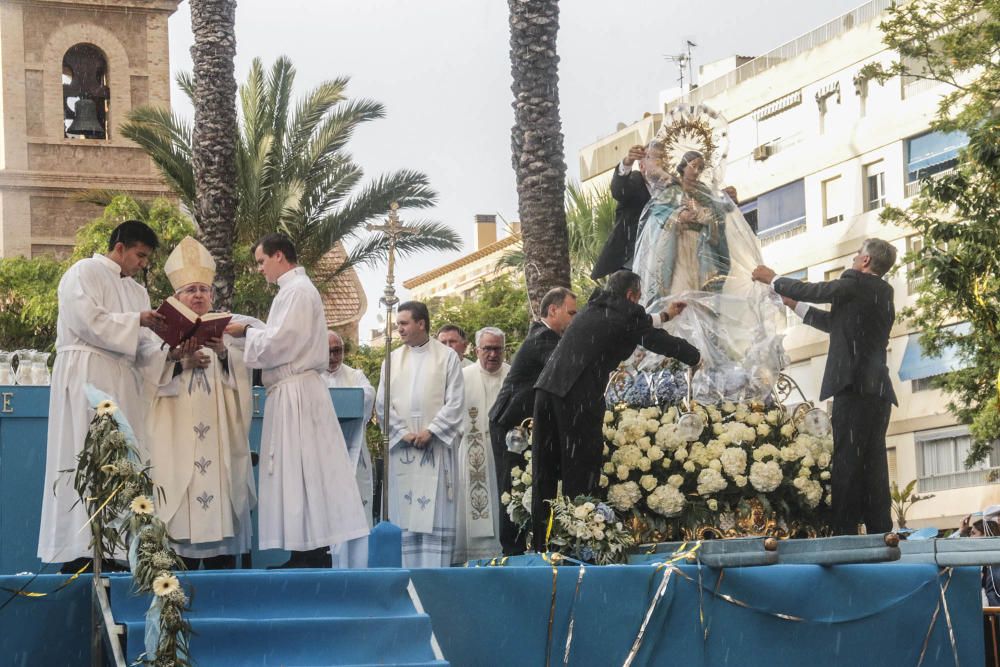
(71, 71)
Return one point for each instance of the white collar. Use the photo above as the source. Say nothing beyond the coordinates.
(290, 275)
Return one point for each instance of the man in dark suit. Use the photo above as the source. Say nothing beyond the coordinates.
(629, 189)
(856, 376)
(516, 399)
(567, 442)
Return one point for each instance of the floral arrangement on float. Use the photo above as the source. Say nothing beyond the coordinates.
(118, 493)
(692, 471)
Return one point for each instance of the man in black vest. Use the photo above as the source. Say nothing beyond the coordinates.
(567, 442)
(516, 399)
(856, 376)
(628, 187)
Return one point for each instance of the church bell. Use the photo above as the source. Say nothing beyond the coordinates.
(85, 123)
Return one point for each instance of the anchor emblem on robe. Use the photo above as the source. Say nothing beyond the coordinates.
(408, 458)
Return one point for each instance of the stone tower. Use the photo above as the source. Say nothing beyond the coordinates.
(72, 70)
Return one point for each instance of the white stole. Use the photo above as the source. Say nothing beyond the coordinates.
(417, 395)
(478, 469)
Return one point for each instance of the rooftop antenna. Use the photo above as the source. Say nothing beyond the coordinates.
(684, 60)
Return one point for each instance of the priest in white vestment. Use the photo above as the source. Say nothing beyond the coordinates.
(425, 423)
(308, 496)
(200, 429)
(339, 374)
(477, 534)
(104, 337)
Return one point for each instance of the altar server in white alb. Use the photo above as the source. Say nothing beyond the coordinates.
(200, 425)
(425, 423)
(339, 374)
(478, 528)
(308, 496)
(104, 336)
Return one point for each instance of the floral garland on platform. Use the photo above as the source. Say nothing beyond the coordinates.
(747, 461)
(112, 483)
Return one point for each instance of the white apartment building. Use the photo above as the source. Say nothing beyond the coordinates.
(815, 153)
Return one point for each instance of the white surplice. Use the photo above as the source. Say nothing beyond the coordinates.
(201, 453)
(477, 534)
(308, 496)
(427, 393)
(98, 341)
(355, 552)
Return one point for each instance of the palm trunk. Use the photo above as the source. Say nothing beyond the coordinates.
(537, 144)
(213, 151)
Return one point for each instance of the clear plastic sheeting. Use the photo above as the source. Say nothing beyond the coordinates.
(695, 246)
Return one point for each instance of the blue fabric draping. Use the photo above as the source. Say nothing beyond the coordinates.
(853, 615)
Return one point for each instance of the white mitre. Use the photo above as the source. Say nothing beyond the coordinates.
(190, 262)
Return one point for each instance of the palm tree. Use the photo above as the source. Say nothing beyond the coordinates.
(537, 143)
(590, 218)
(294, 173)
(213, 149)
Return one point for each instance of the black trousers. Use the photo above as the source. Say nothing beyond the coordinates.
(512, 539)
(567, 444)
(860, 467)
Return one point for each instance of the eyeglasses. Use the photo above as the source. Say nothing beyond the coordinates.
(195, 289)
(491, 349)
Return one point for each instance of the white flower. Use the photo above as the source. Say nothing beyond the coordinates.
(666, 501)
(766, 451)
(645, 464)
(765, 477)
(680, 454)
(526, 500)
(622, 472)
(526, 479)
(788, 430)
(825, 474)
(734, 461)
(728, 406)
(580, 512)
(106, 407)
(624, 496)
(652, 425)
(810, 490)
(715, 464)
(141, 505)
(753, 419)
(608, 416)
(690, 466)
(675, 481)
(710, 481)
(713, 504)
(773, 416)
(823, 460)
(605, 451)
(165, 584)
(655, 453)
(505, 498)
(609, 468)
(741, 480)
(527, 456)
(604, 481)
(516, 472)
(648, 482)
(763, 430)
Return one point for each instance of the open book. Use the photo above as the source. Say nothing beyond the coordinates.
(183, 323)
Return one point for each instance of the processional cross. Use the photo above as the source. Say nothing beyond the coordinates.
(393, 229)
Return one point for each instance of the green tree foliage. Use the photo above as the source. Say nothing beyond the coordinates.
(29, 304)
(957, 213)
(497, 303)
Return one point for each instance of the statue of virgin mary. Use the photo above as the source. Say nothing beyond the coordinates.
(695, 246)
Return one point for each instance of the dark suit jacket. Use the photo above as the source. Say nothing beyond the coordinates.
(516, 399)
(858, 322)
(604, 334)
(631, 194)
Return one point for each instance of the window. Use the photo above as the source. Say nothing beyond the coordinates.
(913, 244)
(890, 455)
(941, 461)
(932, 153)
(782, 209)
(85, 93)
(874, 185)
(922, 384)
(801, 274)
(833, 201)
(749, 211)
(832, 274)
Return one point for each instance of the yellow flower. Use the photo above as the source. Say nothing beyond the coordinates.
(106, 407)
(141, 505)
(165, 584)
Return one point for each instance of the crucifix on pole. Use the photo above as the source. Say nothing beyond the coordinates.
(393, 229)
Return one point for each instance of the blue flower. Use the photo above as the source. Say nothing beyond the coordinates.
(606, 512)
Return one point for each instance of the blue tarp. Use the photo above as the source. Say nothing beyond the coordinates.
(917, 365)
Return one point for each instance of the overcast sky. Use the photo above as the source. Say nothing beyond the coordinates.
(442, 70)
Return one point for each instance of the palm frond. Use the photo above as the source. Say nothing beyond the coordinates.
(167, 141)
(428, 235)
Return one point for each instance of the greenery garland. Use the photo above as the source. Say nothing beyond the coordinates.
(117, 491)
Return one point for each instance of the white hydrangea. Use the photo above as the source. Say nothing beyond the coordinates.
(604, 481)
(823, 460)
(666, 501)
(609, 468)
(788, 430)
(624, 496)
(667, 437)
(622, 472)
(825, 474)
(680, 454)
(734, 461)
(728, 407)
(765, 477)
(654, 453)
(773, 416)
(713, 504)
(741, 480)
(645, 464)
(643, 443)
(763, 430)
(716, 465)
(505, 498)
(670, 416)
(689, 466)
(710, 481)
(766, 451)
(648, 482)
(810, 490)
(753, 419)
(608, 416)
(676, 481)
